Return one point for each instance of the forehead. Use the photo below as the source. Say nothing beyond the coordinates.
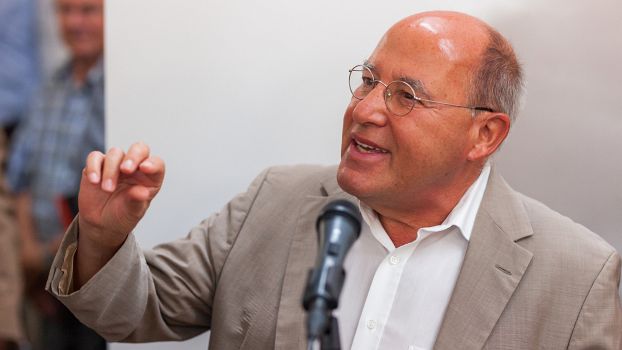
(433, 49)
(80, 2)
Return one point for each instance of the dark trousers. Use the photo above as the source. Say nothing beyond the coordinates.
(51, 326)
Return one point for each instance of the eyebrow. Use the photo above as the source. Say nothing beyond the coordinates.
(369, 65)
(416, 84)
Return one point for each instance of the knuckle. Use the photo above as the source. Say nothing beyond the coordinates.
(95, 155)
(115, 151)
(141, 147)
(158, 161)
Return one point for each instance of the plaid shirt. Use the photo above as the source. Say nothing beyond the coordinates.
(65, 122)
(19, 58)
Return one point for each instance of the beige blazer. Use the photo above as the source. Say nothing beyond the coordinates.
(531, 278)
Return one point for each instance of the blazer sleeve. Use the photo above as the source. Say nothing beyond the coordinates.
(599, 325)
(162, 294)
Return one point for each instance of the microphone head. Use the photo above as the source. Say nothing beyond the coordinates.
(344, 209)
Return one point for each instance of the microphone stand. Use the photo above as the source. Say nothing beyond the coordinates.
(327, 300)
(330, 338)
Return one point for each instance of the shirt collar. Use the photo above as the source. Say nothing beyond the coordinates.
(94, 75)
(462, 215)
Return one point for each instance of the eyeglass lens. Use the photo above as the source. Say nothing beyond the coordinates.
(399, 97)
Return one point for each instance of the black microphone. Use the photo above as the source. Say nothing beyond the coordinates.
(338, 226)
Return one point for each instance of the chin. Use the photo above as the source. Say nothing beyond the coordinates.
(85, 51)
(352, 182)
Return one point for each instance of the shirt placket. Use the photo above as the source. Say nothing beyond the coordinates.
(380, 298)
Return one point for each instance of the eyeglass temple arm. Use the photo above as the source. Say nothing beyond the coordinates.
(454, 105)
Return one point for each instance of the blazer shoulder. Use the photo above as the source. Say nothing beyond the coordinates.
(561, 236)
(303, 178)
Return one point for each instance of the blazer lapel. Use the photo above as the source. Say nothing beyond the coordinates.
(492, 269)
(290, 328)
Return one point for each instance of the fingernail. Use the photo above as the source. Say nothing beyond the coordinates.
(108, 186)
(147, 163)
(94, 178)
(127, 165)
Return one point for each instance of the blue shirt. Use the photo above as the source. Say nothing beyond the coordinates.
(65, 123)
(19, 58)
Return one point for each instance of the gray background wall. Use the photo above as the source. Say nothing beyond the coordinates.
(221, 89)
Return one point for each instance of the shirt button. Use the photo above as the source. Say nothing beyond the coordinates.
(394, 260)
(371, 324)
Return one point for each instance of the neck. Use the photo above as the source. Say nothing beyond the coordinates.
(81, 67)
(402, 222)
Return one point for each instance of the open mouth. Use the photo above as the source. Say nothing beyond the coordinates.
(364, 148)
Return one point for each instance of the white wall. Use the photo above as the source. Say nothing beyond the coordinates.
(222, 89)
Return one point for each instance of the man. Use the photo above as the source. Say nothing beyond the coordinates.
(450, 257)
(65, 122)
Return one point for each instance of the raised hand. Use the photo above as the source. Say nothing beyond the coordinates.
(115, 192)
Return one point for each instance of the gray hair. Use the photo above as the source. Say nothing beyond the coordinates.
(497, 82)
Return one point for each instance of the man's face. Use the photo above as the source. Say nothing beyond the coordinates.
(422, 154)
(82, 27)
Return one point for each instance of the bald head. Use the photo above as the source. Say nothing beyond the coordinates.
(479, 56)
(461, 38)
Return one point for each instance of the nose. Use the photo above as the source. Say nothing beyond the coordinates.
(372, 109)
(73, 18)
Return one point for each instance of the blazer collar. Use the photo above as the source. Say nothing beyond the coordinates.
(290, 328)
(493, 267)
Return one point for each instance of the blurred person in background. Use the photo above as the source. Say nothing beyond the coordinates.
(19, 76)
(52, 49)
(65, 121)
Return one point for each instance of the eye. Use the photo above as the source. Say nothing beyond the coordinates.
(401, 98)
(63, 9)
(88, 10)
(407, 95)
(368, 81)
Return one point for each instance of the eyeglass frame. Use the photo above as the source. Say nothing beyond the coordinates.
(417, 98)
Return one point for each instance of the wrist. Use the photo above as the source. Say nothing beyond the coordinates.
(94, 250)
(99, 239)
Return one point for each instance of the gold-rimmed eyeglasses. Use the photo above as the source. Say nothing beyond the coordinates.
(399, 96)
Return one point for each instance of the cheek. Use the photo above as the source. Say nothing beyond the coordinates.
(417, 142)
(346, 127)
(96, 26)
(65, 27)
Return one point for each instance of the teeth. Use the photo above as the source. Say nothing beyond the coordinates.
(368, 149)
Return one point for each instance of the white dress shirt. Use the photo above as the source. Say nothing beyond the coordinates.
(395, 298)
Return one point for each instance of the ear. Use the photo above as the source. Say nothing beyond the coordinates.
(489, 131)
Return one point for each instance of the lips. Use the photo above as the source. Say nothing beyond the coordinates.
(367, 147)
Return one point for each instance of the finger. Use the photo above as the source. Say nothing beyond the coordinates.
(135, 155)
(110, 172)
(153, 169)
(152, 166)
(140, 193)
(93, 167)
